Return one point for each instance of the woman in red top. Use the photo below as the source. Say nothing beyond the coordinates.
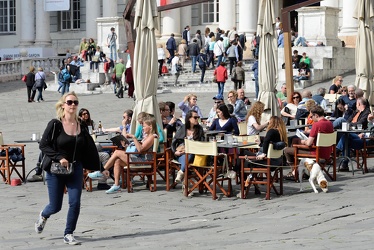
(221, 74)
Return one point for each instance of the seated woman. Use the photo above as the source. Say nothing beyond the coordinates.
(225, 121)
(139, 132)
(191, 130)
(309, 121)
(119, 159)
(304, 72)
(85, 117)
(253, 119)
(96, 58)
(275, 133)
(290, 110)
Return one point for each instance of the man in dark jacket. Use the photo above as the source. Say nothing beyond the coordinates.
(193, 51)
(171, 46)
(358, 118)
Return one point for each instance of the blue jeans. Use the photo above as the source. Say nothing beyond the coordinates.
(219, 60)
(298, 78)
(355, 142)
(193, 58)
(202, 67)
(113, 52)
(221, 88)
(40, 94)
(338, 122)
(257, 87)
(182, 160)
(65, 88)
(56, 185)
(171, 52)
(301, 41)
(210, 58)
(60, 86)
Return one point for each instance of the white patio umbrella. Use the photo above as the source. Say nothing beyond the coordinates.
(364, 12)
(145, 69)
(268, 58)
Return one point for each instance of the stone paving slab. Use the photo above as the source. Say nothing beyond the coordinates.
(342, 218)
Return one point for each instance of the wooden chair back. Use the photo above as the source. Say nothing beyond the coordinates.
(201, 148)
(242, 128)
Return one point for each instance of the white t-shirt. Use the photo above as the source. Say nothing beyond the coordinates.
(250, 129)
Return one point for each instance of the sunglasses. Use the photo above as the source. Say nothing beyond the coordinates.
(295, 97)
(70, 102)
(217, 102)
(196, 117)
(84, 113)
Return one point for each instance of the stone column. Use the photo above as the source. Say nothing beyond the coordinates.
(92, 12)
(42, 37)
(27, 23)
(109, 8)
(350, 25)
(186, 18)
(171, 22)
(227, 17)
(248, 22)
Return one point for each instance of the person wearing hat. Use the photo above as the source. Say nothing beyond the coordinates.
(218, 100)
(202, 61)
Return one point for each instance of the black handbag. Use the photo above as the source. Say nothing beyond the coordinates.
(58, 169)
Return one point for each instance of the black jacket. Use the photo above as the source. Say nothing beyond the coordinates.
(180, 135)
(362, 118)
(90, 157)
(30, 79)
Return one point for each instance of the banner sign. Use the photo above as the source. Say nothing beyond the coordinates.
(56, 5)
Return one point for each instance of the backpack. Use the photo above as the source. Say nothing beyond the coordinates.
(65, 75)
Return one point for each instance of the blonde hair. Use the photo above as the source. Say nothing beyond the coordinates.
(60, 110)
(183, 41)
(256, 110)
(336, 79)
(151, 121)
(234, 93)
(213, 39)
(31, 69)
(277, 123)
(310, 104)
(141, 116)
(190, 96)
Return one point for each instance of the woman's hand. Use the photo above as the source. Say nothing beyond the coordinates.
(178, 153)
(64, 162)
(106, 173)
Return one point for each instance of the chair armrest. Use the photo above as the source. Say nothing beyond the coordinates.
(15, 145)
(300, 146)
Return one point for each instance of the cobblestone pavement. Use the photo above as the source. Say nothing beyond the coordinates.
(342, 218)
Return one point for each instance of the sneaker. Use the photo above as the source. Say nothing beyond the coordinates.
(69, 239)
(95, 175)
(35, 178)
(114, 189)
(40, 223)
(180, 176)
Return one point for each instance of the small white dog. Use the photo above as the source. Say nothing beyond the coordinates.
(316, 175)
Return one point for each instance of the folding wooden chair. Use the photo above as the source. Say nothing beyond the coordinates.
(242, 128)
(366, 152)
(205, 177)
(7, 165)
(147, 168)
(323, 140)
(262, 174)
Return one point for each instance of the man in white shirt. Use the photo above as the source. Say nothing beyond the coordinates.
(219, 51)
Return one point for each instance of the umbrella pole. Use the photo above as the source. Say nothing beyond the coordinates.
(288, 65)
